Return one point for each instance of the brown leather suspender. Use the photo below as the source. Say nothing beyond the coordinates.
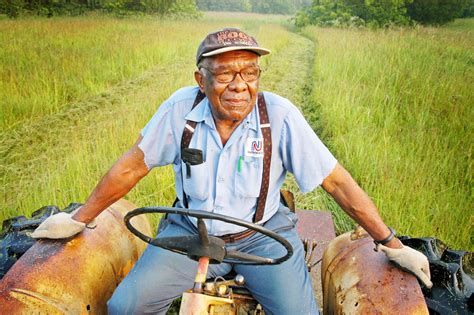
(186, 139)
(267, 151)
(267, 157)
(190, 125)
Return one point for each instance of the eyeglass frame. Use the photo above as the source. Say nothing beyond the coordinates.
(235, 74)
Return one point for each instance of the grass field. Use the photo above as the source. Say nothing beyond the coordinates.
(399, 106)
(394, 106)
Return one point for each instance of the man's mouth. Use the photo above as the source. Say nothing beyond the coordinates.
(236, 101)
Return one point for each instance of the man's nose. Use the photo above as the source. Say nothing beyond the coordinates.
(238, 84)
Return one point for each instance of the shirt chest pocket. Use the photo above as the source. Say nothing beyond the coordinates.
(248, 178)
(196, 180)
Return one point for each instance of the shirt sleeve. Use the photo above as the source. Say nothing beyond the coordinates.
(303, 153)
(158, 143)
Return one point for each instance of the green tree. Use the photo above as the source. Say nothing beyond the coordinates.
(379, 12)
(436, 12)
(354, 13)
(260, 6)
(228, 5)
(14, 8)
(274, 6)
(469, 9)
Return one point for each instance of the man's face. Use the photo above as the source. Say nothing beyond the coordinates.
(230, 101)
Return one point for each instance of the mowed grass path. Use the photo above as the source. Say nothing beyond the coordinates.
(372, 97)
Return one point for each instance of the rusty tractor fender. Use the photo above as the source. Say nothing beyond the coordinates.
(76, 275)
(358, 280)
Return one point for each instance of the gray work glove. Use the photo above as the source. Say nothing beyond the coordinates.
(411, 260)
(60, 225)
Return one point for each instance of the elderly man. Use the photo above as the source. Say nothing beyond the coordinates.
(231, 148)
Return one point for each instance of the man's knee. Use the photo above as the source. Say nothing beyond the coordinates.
(118, 303)
(143, 291)
(112, 306)
(130, 297)
(121, 303)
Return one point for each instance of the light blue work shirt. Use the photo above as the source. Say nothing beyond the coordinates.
(228, 181)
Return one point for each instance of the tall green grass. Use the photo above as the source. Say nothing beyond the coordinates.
(48, 63)
(397, 109)
(394, 106)
(58, 157)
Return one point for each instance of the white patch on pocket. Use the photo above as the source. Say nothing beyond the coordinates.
(254, 147)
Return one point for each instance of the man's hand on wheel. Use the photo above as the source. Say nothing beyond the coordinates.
(60, 225)
(411, 260)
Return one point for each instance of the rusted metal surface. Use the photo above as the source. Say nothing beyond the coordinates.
(201, 304)
(288, 199)
(77, 275)
(201, 274)
(358, 280)
(318, 226)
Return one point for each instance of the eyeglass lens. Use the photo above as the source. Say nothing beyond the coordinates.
(227, 76)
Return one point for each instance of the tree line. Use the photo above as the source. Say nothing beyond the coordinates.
(338, 13)
(258, 6)
(383, 13)
(15, 8)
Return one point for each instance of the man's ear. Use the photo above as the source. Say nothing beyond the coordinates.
(199, 79)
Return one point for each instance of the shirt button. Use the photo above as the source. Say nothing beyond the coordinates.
(220, 179)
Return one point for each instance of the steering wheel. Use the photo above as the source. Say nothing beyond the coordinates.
(204, 245)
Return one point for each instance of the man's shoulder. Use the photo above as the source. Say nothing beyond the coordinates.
(275, 99)
(184, 95)
(278, 104)
(180, 102)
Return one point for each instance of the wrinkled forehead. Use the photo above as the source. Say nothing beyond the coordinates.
(231, 59)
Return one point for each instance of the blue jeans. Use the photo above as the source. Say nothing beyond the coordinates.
(160, 276)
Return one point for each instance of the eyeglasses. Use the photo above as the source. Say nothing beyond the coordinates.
(248, 74)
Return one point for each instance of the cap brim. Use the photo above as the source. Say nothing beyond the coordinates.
(258, 50)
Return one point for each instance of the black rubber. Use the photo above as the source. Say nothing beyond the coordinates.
(15, 237)
(452, 274)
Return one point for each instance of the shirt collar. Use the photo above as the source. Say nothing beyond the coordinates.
(202, 112)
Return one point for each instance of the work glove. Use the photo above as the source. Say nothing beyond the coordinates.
(411, 260)
(60, 225)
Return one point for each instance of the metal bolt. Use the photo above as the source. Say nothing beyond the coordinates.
(239, 280)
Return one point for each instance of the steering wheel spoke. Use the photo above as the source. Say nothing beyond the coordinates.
(233, 256)
(180, 243)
